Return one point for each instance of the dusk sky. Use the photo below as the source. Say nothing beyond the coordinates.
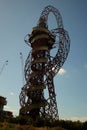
(17, 18)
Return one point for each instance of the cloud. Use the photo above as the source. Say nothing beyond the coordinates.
(11, 93)
(62, 71)
(8, 108)
(82, 119)
(14, 111)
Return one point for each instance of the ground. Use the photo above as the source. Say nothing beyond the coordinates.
(10, 126)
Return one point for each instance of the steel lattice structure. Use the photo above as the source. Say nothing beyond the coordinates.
(41, 66)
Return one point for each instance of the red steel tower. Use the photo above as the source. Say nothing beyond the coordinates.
(41, 66)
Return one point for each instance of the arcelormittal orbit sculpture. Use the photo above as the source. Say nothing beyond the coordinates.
(41, 66)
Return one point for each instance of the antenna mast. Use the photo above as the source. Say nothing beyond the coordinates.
(3, 66)
(22, 65)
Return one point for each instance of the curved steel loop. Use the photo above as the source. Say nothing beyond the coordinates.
(56, 13)
(63, 42)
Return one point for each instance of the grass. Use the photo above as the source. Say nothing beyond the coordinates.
(10, 126)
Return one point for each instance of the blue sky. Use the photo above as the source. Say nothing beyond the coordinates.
(17, 18)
